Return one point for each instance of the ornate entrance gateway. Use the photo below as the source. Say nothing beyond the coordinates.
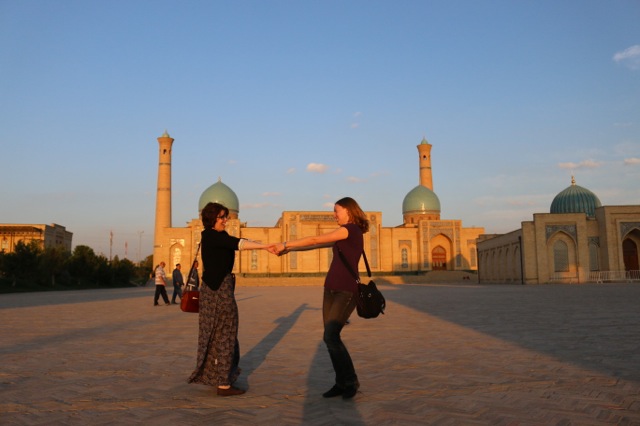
(439, 259)
(630, 255)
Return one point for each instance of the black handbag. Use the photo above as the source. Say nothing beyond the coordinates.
(369, 300)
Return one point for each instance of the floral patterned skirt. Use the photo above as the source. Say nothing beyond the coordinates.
(218, 349)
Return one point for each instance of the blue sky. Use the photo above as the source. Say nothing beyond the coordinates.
(514, 96)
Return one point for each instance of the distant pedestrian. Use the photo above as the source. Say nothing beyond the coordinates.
(160, 284)
(178, 282)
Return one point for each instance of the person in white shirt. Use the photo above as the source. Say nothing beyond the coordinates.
(160, 285)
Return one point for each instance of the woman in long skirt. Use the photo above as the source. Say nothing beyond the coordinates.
(218, 347)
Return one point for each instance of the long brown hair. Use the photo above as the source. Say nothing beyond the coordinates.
(210, 214)
(356, 214)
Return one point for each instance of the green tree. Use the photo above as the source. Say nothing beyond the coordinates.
(22, 264)
(30, 267)
(83, 265)
(144, 270)
(123, 272)
(53, 264)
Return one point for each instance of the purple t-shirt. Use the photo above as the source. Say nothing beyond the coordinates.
(339, 278)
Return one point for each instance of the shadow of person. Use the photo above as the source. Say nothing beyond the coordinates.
(334, 410)
(256, 355)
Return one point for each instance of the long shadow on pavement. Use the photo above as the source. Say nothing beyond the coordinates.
(256, 356)
(316, 409)
(47, 298)
(596, 326)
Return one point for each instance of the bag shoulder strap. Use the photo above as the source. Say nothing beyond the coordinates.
(344, 260)
(193, 266)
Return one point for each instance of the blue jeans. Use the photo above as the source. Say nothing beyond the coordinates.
(336, 309)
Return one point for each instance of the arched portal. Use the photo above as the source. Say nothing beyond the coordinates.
(630, 255)
(439, 259)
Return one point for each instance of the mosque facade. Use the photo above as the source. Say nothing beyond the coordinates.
(578, 241)
(422, 243)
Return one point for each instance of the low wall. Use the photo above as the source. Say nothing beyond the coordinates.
(428, 278)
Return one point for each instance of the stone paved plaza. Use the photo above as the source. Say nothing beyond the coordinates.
(444, 354)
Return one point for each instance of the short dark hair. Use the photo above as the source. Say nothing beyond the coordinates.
(210, 214)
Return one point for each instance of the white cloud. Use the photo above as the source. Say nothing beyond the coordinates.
(587, 164)
(354, 179)
(520, 202)
(317, 168)
(378, 174)
(271, 194)
(356, 116)
(627, 149)
(291, 171)
(624, 124)
(629, 57)
(631, 161)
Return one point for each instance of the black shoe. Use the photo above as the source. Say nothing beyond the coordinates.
(350, 391)
(334, 391)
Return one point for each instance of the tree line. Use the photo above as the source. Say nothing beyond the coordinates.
(33, 268)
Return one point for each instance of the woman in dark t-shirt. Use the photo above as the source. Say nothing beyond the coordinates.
(340, 288)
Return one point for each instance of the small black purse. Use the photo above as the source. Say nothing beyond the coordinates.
(369, 300)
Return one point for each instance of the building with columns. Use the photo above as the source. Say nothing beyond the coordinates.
(422, 243)
(578, 241)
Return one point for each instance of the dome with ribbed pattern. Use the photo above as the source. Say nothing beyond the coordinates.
(575, 199)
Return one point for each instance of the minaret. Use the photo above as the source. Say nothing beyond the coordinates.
(426, 178)
(163, 197)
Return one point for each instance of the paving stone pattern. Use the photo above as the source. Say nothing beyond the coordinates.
(444, 354)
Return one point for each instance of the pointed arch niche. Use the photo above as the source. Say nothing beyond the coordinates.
(177, 249)
(562, 256)
(441, 253)
(630, 250)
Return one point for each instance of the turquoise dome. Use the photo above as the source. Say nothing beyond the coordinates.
(219, 193)
(575, 199)
(420, 200)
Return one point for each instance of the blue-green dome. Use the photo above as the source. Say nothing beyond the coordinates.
(420, 200)
(575, 199)
(220, 193)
